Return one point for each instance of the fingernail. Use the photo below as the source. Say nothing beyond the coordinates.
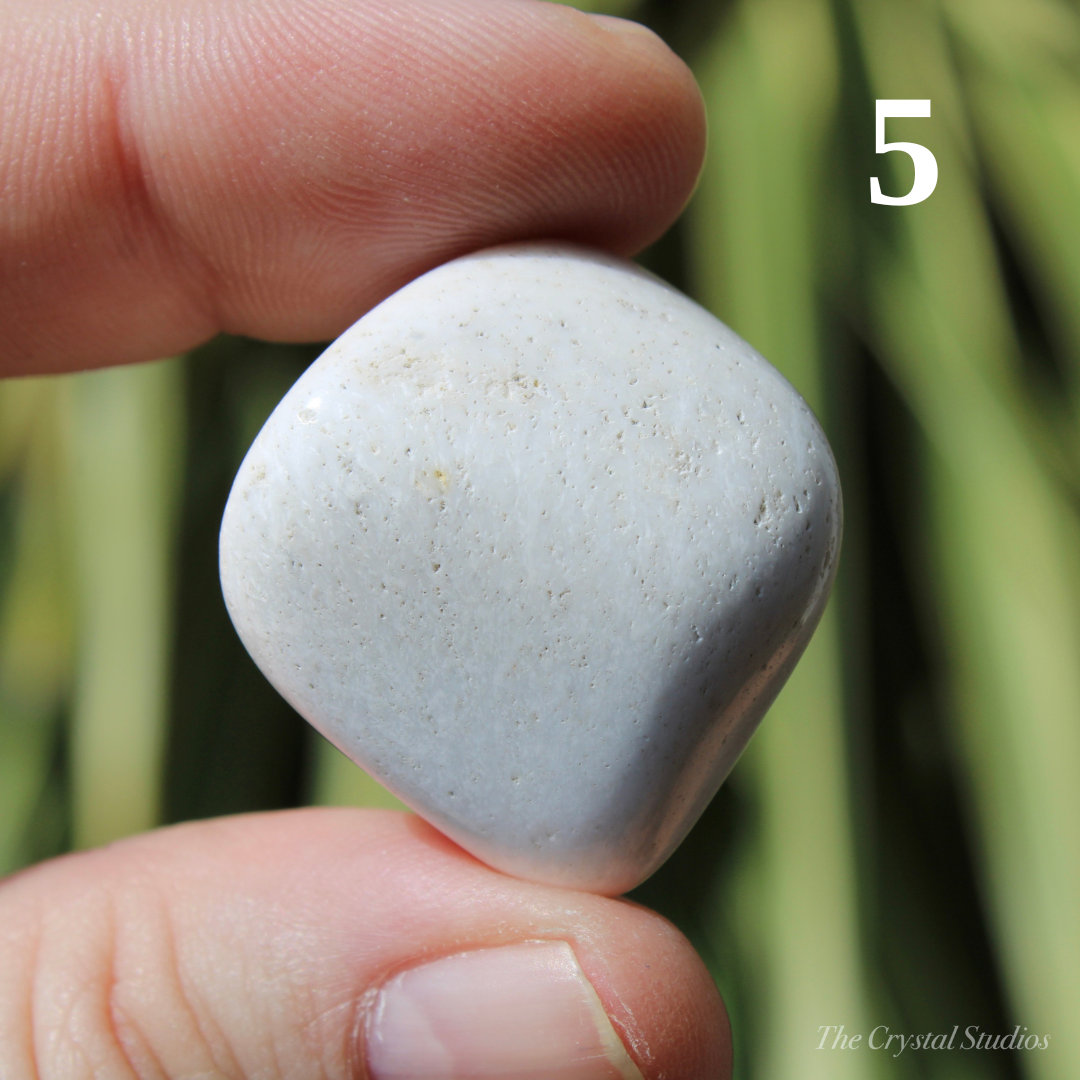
(523, 1011)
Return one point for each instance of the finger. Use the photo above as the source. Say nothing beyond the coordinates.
(310, 943)
(275, 167)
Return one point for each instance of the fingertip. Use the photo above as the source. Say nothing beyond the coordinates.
(659, 93)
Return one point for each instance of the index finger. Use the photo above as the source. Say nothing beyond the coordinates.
(272, 168)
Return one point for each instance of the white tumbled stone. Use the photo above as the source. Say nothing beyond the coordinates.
(536, 543)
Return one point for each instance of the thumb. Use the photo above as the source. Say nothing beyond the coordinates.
(338, 943)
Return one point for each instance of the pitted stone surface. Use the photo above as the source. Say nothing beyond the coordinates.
(536, 543)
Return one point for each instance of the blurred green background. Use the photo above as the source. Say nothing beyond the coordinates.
(901, 844)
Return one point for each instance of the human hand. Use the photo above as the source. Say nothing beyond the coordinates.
(174, 169)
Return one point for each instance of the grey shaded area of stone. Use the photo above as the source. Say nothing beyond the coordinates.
(536, 543)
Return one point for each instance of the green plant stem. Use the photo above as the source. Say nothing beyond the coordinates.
(124, 435)
(1002, 547)
(1021, 65)
(36, 640)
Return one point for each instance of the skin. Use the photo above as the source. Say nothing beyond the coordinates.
(173, 168)
(248, 946)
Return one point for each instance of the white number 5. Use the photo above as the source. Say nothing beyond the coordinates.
(924, 161)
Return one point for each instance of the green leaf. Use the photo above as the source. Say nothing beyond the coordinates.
(36, 633)
(123, 450)
(1003, 545)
